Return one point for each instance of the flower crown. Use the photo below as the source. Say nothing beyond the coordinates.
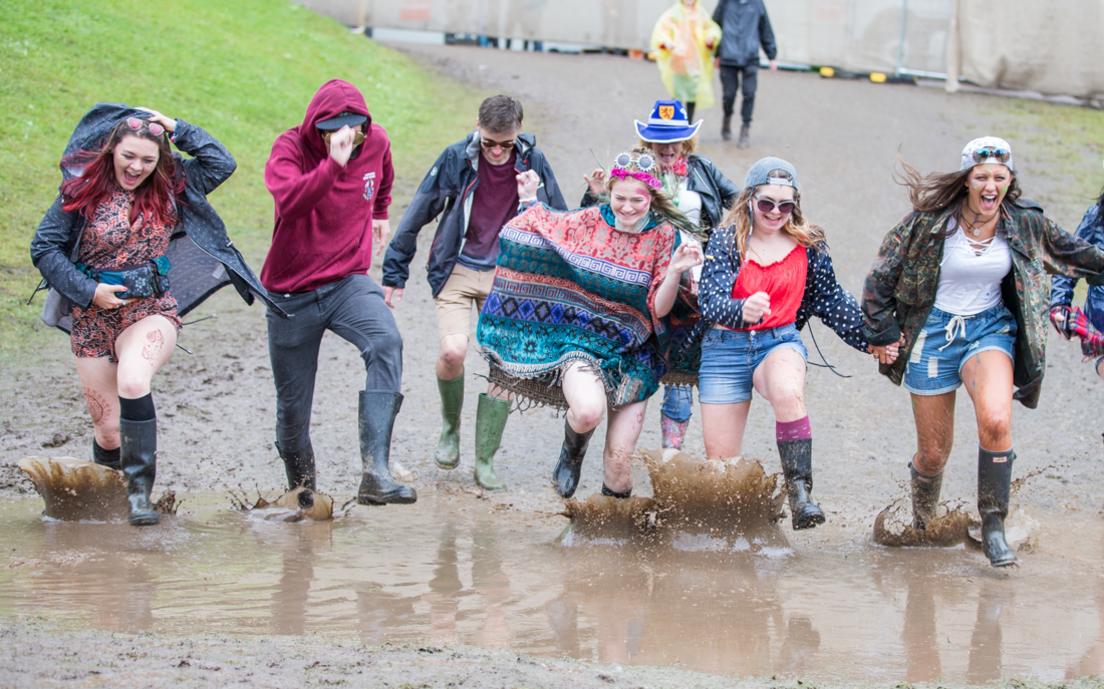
(637, 166)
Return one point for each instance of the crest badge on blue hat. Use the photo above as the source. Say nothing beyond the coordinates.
(668, 124)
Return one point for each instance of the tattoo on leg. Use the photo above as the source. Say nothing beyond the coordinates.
(155, 342)
(97, 404)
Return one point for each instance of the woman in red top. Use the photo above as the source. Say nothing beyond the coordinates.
(766, 273)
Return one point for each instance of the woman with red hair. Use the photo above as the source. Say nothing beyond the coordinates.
(104, 250)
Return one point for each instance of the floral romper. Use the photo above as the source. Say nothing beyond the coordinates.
(111, 242)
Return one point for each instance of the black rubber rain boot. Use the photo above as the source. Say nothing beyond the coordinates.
(609, 492)
(378, 409)
(797, 468)
(690, 112)
(138, 456)
(745, 136)
(566, 474)
(299, 467)
(994, 489)
(106, 458)
(726, 128)
(925, 497)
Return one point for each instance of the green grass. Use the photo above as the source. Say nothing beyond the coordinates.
(243, 70)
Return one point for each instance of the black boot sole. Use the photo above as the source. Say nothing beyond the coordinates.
(391, 499)
(148, 519)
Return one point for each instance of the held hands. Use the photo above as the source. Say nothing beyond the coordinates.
(381, 230)
(167, 122)
(392, 296)
(1059, 316)
(341, 145)
(685, 257)
(773, 65)
(886, 354)
(105, 296)
(527, 184)
(596, 181)
(756, 307)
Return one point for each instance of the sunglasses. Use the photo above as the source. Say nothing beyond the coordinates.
(491, 144)
(644, 162)
(987, 153)
(358, 137)
(766, 205)
(153, 128)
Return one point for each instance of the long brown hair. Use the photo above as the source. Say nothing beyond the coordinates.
(938, 191)
(739, 216)
(96, 181)
(661, 205)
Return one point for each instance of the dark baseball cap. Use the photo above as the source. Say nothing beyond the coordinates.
(349, 119)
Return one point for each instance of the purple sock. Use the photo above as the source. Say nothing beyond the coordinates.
(785, 431)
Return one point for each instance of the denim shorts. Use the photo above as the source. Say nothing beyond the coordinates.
(948, 341)
(729, 359)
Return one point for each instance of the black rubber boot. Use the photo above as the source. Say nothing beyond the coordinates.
(378, 409)
(299, 466)
(690, 112)
(994, 488)
(566, 474)
(925, 497)
(745, 137)
(609, 492)
(138, 456)
(106, 458)
(797, 468)
(726, 128)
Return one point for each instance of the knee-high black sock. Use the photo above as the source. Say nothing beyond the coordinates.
(140, 409)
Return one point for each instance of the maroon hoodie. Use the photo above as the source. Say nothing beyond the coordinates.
(324, 212)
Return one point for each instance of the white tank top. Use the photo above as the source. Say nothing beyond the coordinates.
(689, 202)
(971, 272)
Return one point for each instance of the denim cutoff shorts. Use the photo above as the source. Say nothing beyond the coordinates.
(948, 341)
(729, 359)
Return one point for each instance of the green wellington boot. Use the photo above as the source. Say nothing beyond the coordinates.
(490, 420)
(447, 454)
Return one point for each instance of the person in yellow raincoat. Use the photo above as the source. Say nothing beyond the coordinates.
(683, 42)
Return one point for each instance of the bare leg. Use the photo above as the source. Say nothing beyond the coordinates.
(98, 382)
(780, 379)
(586, 397)
(622, 432)
(934, 418)
(988, 380)
(142, 349)
(450, 358)
(723, 428)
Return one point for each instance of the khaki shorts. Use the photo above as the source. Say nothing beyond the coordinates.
(464, 289)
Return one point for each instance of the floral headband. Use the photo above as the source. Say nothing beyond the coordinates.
(638, 167)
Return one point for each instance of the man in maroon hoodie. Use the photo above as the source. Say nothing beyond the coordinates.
(331, 180)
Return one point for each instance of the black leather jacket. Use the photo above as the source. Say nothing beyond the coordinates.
(203, 257)
(718, 193)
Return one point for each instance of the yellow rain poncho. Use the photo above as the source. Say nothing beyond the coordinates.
(683, 41)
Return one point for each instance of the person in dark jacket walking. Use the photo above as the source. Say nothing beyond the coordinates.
(1091, 230)
(702, 194)
(961, 285)
(745, 27)
(106, 249)
(331, 180)
(472, 187)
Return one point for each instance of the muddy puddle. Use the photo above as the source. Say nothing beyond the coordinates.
(827, 605)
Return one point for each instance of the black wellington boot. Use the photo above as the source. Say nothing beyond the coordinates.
(566, 474)
(299, 466)
(138, 456)
(925, 497)
(994, 489)
(797, 468)
(726, 128)
(378, 409)
(106, 458)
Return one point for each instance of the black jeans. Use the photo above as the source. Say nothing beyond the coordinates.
(730, 82)
(352, 308)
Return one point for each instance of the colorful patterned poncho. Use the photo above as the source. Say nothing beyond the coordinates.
(569, 287)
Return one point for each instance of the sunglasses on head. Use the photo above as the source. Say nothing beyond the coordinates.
(136, 123)
(491, 144)
(766, 205)
(645, 162)
(990, 152)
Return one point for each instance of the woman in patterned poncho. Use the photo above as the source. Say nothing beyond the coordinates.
(573, 317)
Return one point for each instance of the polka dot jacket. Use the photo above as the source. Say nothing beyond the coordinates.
(823, 298)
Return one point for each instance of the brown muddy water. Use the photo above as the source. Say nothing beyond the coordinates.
(824, 605)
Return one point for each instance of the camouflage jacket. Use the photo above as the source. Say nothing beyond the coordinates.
(900, 290)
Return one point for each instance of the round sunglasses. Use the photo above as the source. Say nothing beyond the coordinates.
(644, 162)
(989, 152)
(766, 205)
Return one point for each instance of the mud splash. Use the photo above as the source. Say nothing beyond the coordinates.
(78, 490)
(293, 506)
(698, 505)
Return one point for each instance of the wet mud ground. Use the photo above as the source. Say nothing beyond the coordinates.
(474, 590)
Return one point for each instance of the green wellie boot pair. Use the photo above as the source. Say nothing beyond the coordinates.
(490, 421)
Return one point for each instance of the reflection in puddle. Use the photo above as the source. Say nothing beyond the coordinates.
(824, 606)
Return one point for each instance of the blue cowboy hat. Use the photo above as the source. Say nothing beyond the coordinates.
(668, 124)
